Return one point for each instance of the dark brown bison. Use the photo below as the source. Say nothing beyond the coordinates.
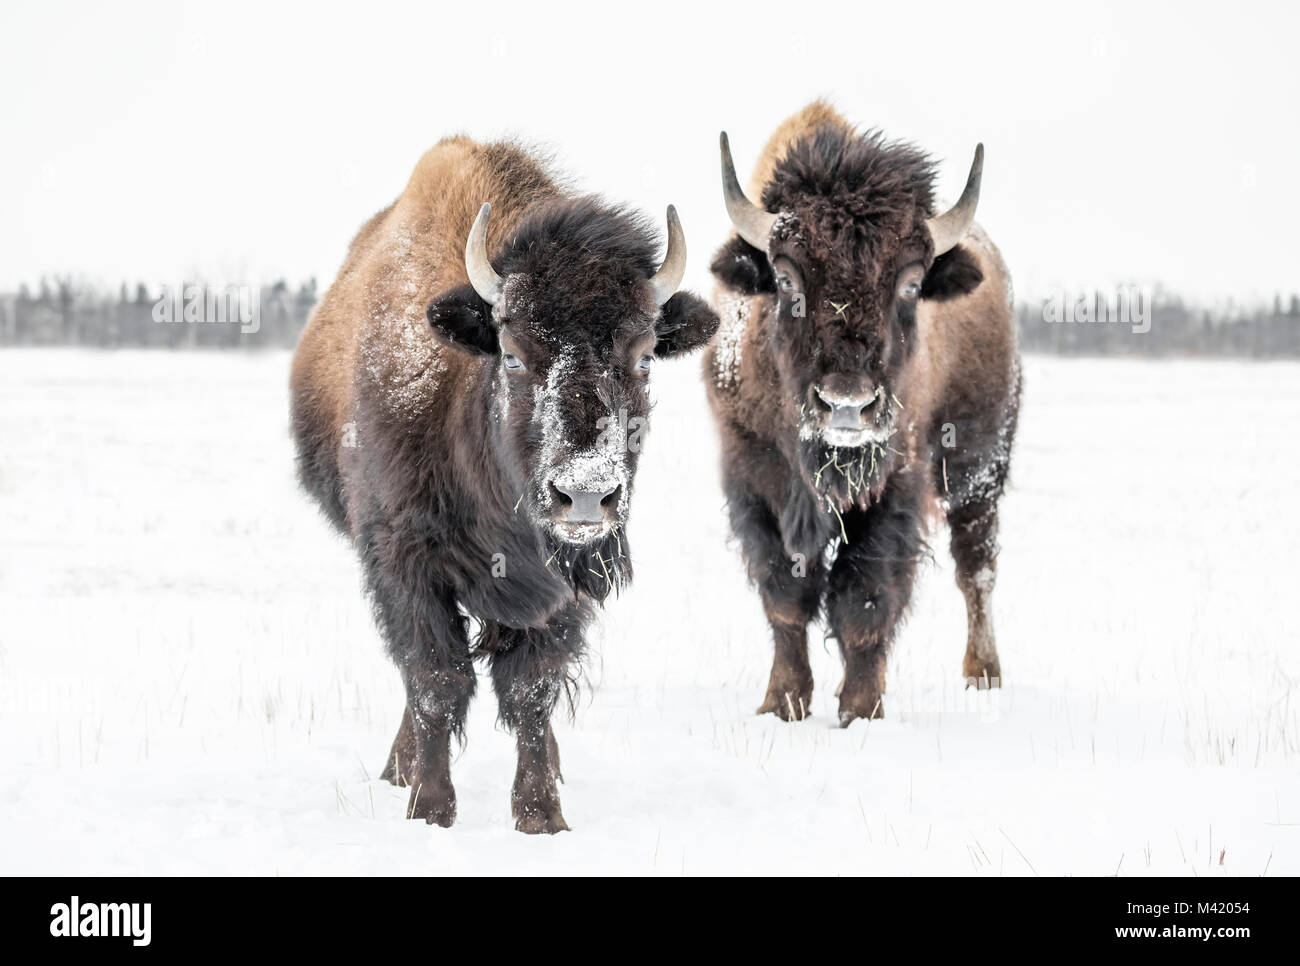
(865, 375)
(467, 404)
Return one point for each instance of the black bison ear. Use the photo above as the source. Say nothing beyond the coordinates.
(742, 267)
(460, 318)
(954, 273)
(685, 322)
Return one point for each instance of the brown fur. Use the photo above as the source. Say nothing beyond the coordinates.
(452, 441)
(962, 341)
(960, 367)
(437, 208)
(804, 121)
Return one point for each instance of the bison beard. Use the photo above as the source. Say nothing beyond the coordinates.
(838, 531)
(441, 457)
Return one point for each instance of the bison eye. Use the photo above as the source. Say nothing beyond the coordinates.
(785, 283)
(512, 363)
(643, 364)
(909, 282)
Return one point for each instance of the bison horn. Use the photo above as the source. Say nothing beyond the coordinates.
(481, 273)
(669, 277)
(751, 222)
(949, 228)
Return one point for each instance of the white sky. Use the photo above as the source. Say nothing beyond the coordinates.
(1125, 142)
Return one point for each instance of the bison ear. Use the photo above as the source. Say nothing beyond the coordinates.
(742, 267)
(461, 318)
(685, 323)
(953, 274)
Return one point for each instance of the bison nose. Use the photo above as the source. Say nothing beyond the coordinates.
(585, 505)
(847, 409)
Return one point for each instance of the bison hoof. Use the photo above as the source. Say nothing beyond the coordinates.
(436, 809)
(540, 820)
(788, 704)
(982, 674)
(394, 775)
(852, 711)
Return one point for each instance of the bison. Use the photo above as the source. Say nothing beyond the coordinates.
(467, 406)
(865, 379)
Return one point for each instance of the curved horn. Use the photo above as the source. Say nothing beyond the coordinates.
(669, 277)
(751, 222)
(481, 273)
(949, 228)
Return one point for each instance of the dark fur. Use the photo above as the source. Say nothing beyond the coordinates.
(853, 519)
(438, 491)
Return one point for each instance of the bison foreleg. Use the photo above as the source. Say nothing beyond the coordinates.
(791, 590)
(427, 639)
(437, 699)
(869, 593)
(530, 669)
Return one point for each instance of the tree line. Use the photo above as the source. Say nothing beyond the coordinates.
(1133, 322)
(63, 312)
(1156, 323)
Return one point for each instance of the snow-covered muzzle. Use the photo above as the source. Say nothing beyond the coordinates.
(580, 439)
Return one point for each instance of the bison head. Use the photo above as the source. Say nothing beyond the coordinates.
(846, 244)
(571, 325)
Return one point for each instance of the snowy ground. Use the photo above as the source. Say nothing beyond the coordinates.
(190, 683)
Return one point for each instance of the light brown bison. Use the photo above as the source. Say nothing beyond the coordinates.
(865, 372)
(463, 400)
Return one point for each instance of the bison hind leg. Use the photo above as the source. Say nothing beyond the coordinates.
(401, 759)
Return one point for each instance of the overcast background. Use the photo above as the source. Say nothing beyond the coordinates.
(242, 142)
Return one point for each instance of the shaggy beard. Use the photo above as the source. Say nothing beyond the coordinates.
(844, 478)
(594, 569)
